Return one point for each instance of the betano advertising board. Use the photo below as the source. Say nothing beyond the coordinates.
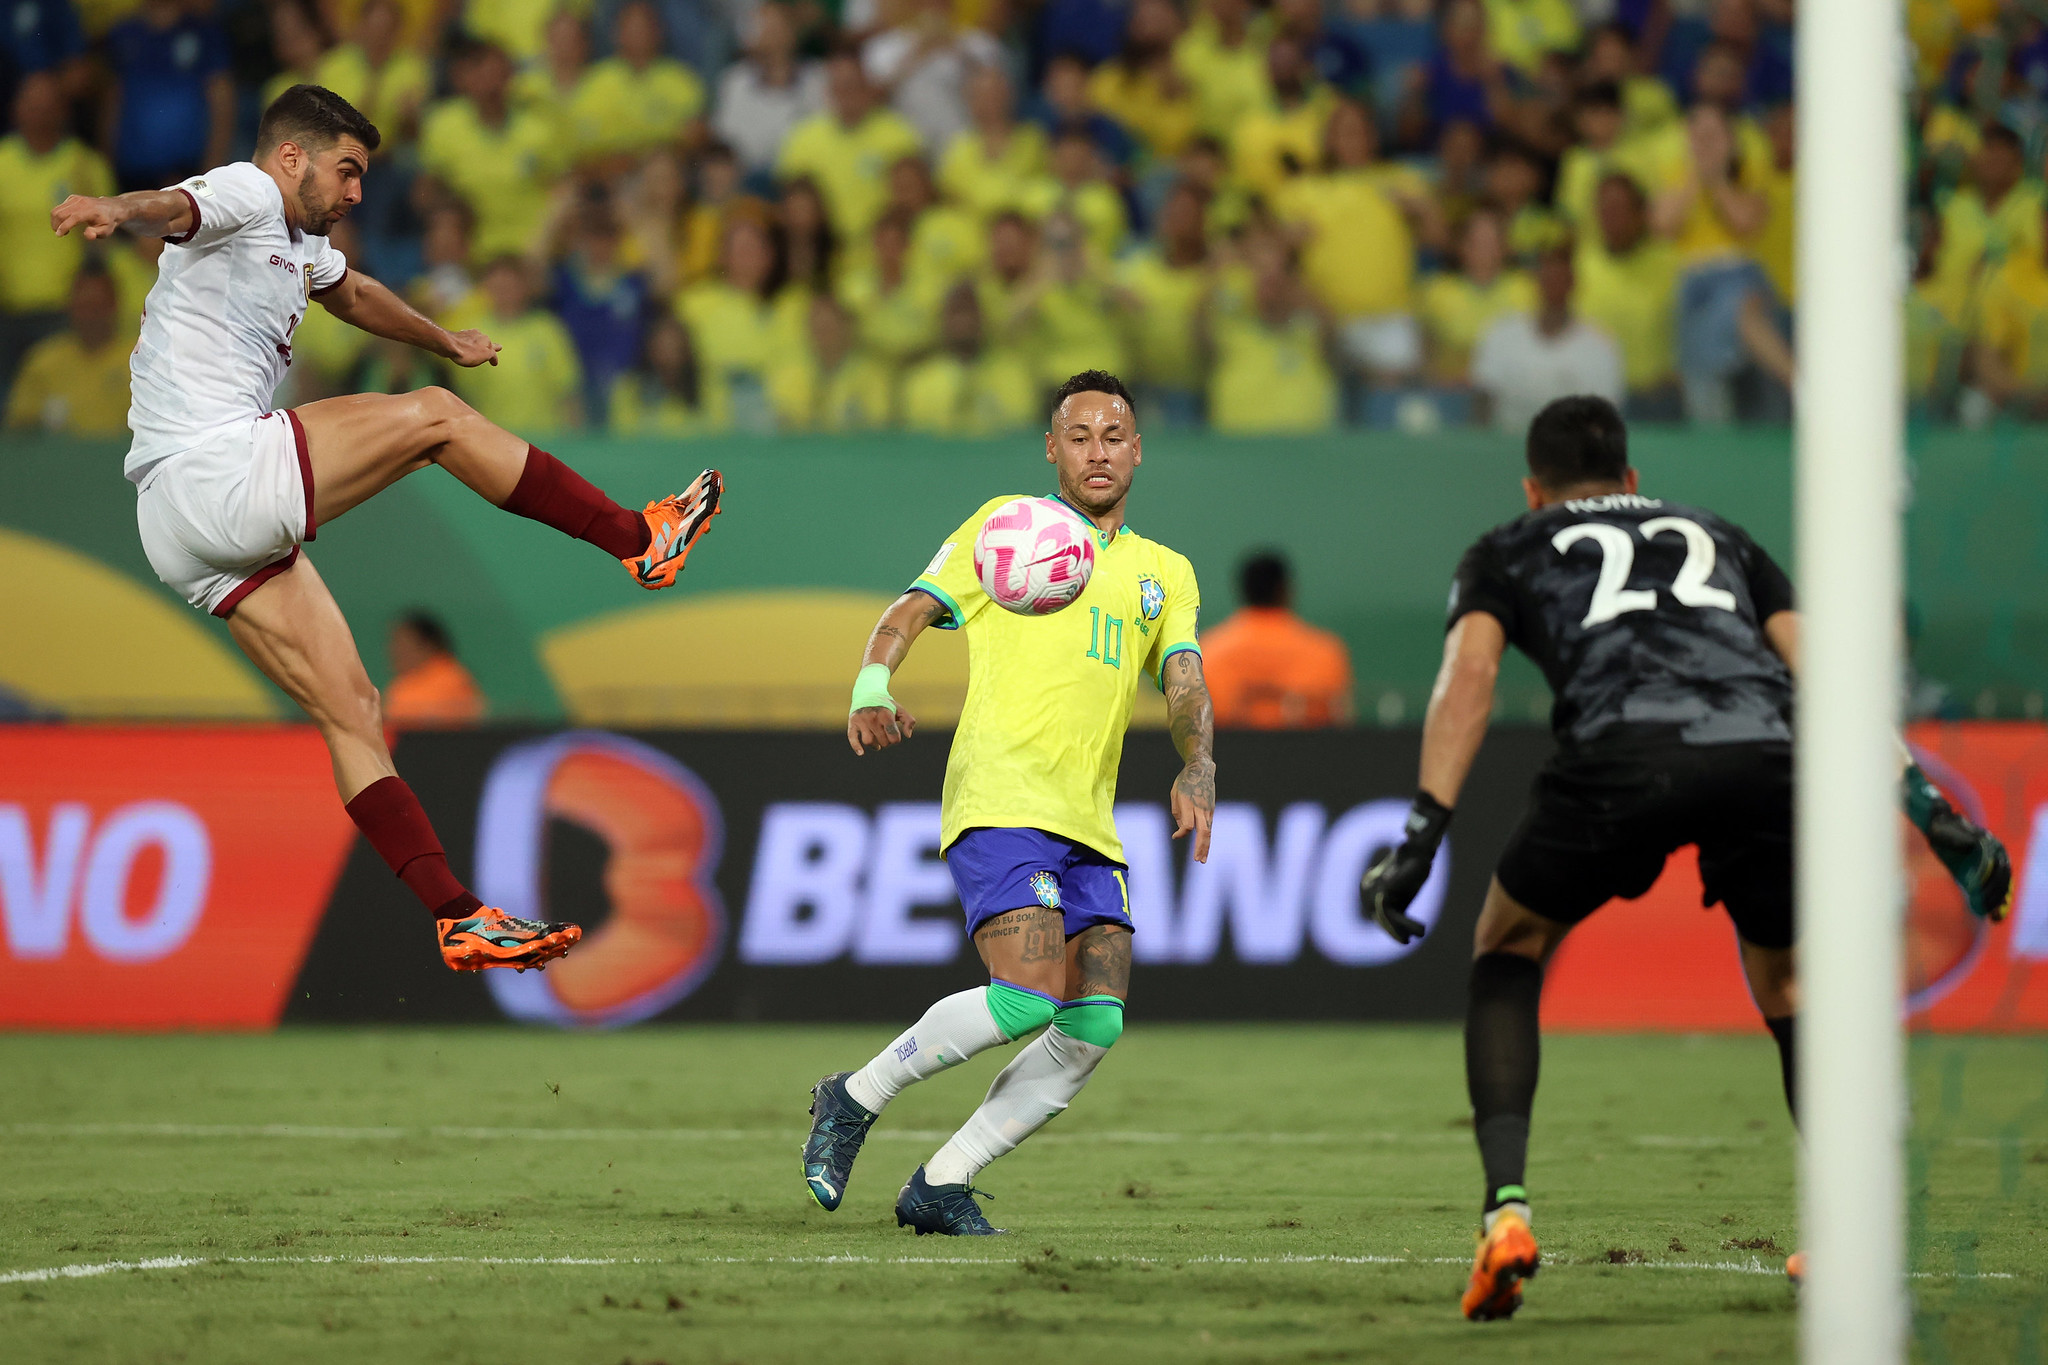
(205, 877)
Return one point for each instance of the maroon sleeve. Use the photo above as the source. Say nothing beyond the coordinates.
(193, 231)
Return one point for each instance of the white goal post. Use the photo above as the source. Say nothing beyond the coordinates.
(1850, 64)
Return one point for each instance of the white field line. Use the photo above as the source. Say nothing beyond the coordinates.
(1750, 1266)
(328, 1132)
(341, 1133)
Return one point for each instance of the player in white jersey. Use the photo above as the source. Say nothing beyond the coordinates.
(227, 490)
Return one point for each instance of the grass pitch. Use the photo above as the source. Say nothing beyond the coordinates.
(1228, 1194)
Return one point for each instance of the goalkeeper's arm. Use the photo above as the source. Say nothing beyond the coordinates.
(1459, 706)
(874, 718)
(1973, 855)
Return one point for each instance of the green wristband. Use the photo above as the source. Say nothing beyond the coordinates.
(871, 688)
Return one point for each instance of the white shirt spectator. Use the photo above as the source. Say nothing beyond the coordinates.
(754, 116)
(1521, 369)
(217, 326)
(927, 85)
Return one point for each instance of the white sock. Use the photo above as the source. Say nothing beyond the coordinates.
(1030, 1092)
(951, 1031)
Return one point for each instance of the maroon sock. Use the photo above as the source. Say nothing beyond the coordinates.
(549, 491)
(391, 818)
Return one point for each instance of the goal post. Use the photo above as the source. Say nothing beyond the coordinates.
(1850, 467)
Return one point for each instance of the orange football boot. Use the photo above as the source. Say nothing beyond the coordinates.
(492, 938)
(674, 524)
(1795, 1267)
(1507, 1256)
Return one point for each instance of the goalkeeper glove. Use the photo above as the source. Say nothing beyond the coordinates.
(1972, 854)
(1398, 873)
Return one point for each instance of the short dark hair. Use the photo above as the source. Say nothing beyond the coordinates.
(2003, 136)
(316, 118)
(1093, 381)
(1578, 440)
(1263, 579)
(428, 627)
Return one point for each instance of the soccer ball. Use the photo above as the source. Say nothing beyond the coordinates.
(1033, 556)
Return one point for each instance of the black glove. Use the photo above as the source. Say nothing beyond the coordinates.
(1972, 854)
(1398, 873)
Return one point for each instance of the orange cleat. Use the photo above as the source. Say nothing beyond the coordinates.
(1507, 1256)
(675, 523)
(1795, 1267)
(492, 938)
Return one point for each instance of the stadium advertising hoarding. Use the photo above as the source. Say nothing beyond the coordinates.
(206, 878)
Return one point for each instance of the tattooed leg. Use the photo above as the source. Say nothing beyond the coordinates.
(1050, 1071)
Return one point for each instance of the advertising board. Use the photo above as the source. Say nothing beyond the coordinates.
(206, 877)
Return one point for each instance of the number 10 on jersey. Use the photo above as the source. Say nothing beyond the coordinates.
(1105, 638)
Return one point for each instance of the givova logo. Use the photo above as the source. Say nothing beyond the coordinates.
(832, 881)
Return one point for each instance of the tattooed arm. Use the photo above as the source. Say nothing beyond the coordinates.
(1193, 723)
(883, 722)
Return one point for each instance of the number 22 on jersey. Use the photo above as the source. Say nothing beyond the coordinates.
(1611, 594)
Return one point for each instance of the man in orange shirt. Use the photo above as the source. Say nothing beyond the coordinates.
(1267, 668)
(429, 686)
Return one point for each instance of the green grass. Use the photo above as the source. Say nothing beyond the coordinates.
(1157, 1221)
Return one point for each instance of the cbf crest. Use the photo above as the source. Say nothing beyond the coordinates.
(1151, 597)
(1046, 887)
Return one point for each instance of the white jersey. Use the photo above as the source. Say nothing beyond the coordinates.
(217, 327)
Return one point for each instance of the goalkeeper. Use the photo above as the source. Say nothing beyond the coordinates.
(1669, 639)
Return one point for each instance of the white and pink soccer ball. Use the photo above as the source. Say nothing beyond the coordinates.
(1034, 555)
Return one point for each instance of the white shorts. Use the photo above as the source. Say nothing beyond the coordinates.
(224, 517)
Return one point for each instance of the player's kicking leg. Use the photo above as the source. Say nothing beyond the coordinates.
(291, 628)
(362, 444)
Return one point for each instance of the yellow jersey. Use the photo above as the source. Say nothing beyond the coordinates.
(405, 82)
(1634, 299)
(989, 184)
(618, 109)
(502, 173)
(947, 396)
(2014, 321)
(1360, 258)
(36, 265)
(851, 165)
(1165, 327)
(537, 383)
(1049, 697)
(64, 387)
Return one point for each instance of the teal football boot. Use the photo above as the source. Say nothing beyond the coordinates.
(839, 1125)
(946, 1210)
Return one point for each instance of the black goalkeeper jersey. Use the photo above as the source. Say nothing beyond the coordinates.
(1646, 616)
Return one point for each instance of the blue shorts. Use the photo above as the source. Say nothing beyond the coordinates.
(999, 870)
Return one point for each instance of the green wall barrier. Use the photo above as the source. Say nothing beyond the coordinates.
(1373, 522)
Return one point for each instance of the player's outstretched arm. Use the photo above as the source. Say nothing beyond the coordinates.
(1973, 855)
(363, 302)
(146, 213)
(1192, 720)
(875, 718)
(1459, 706)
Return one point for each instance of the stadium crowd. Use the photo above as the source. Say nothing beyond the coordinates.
(688, 216)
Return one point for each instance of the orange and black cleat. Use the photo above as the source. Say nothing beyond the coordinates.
(492, 938)
(1795, 1268)
(1507, 1256)
(675, 523)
